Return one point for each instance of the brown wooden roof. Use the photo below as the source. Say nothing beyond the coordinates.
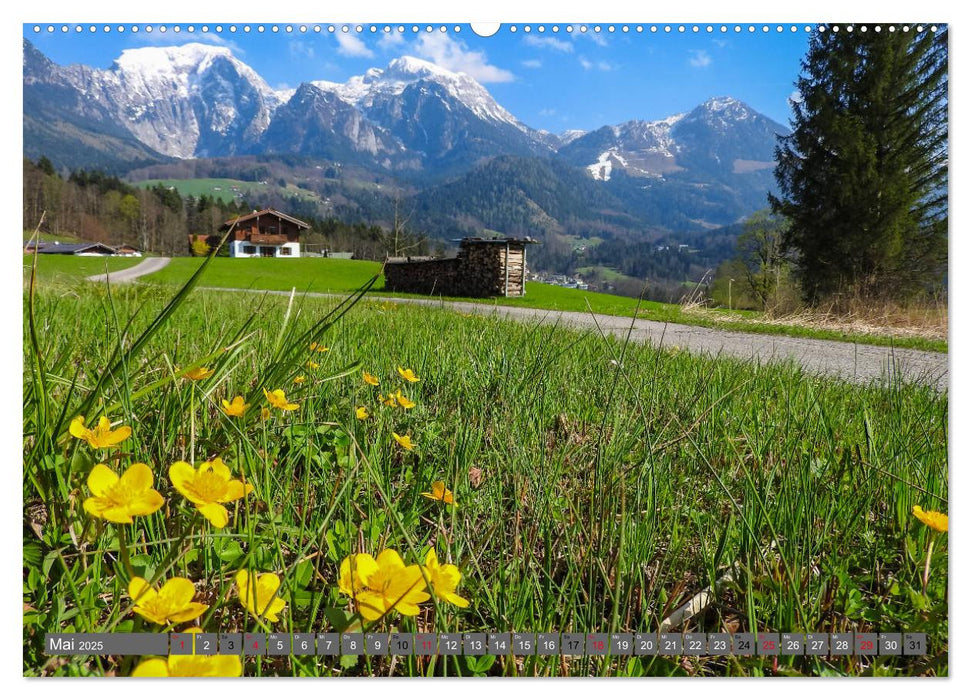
(266, 212)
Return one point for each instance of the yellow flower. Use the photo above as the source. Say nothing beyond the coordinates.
(171, 603)
(278, 399)
(319, 347)
(101, 435)
(407, 375)
(117, 499)
(388, 400)
(440, 493)
(369, 378)
(208, 488)
(257, 593)
(236, 408)
(404, 441)
(444, 579)
(404, 401)
(264, 413)
(299, 380)
(199, 373)
(361, 412)
(931, 518)
(185, 665)
(355, 571)
(381, 585)
(313, 365)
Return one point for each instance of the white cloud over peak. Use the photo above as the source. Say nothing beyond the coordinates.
(548, 42)
(700, 59)
(349, 44)
(532, 63)
(443, 50)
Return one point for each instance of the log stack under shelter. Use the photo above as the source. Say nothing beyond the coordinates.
(484, 267)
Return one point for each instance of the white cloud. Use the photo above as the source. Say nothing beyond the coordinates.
(350, 45)
(532, 63)
(442, 50)
(700, 59)
(720, 43)
(391, 40)
(547, 112)
(548, 42)
(170, 38)
(301, 50)
(587, 64)
(598, 38)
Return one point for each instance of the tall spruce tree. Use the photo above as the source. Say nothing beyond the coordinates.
(863, 175)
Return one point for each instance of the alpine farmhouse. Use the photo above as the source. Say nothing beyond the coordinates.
(264, 234)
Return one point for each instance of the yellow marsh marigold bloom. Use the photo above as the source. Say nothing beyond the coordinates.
(236, 408)
(171, 603)
(299, 380)
(931, 518)
(118, 499)
(355, 571)
(444, 579)
(101, 435)
(208, 488)
(264, 413)
(361, 413)
(278, 399)
(185, 665)
(318, 347)
(382, 584)
(199, 373)
(440, 493)
(403, 400)
(313, 365)
(257, 593)
(388, 400)
(369, 378)
(407, 375)
(404, 441)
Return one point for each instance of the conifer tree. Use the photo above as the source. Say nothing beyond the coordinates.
(863, 175)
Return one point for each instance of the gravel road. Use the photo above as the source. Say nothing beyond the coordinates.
(130, 274)
(848, 361)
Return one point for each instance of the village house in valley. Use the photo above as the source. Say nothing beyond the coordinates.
(267, 233)
(484, 267)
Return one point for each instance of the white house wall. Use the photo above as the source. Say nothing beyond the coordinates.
(237, 248)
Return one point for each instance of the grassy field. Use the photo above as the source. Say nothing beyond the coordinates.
(225, 188)
(343, 276)
(597, 487)
(71, 269)
(324, 275)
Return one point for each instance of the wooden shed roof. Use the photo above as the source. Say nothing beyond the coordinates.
(500, 241)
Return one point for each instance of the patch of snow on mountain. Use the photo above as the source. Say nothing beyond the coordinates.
(601, 169)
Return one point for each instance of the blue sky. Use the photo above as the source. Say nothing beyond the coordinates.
(549, 80)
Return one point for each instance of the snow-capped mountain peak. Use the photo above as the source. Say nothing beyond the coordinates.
(377, 85)
(153, 60)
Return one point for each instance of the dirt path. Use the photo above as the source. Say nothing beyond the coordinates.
(848, 361)
(130, 274)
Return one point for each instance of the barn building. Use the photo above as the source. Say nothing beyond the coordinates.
(264, 234)
(484, 267)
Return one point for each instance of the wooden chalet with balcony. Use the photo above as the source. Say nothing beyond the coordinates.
(267, 233)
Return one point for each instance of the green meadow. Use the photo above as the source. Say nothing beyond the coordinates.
(343, 276)
(594, 485)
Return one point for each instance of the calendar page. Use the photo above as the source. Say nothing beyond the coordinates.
(525, 349)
